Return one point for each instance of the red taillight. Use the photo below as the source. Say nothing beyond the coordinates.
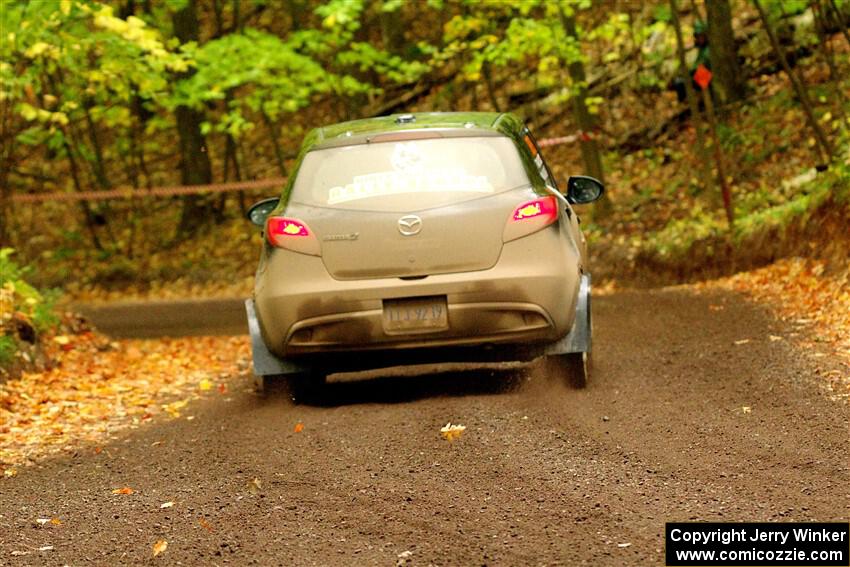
(545, 206)
(291, 234)
(530, 217)
(280, 226)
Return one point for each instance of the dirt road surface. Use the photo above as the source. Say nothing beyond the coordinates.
(679, 423)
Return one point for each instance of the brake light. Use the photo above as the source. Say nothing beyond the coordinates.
(292, 234)
(280, 226)
(530, 217)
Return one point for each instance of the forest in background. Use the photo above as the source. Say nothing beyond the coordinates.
(138, 94)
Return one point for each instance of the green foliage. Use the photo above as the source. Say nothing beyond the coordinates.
(680, 234)
(501, 34)
(349, 60)
(9, 270)
(364, 57)
(73, 73)
(782, 8)
(662, 13)
(77, 56)
(8, 347)
(74, 63)
(756, 213)
(20, 304)
(278, 79)
(18, 296)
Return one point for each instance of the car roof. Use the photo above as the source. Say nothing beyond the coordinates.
(448, 123)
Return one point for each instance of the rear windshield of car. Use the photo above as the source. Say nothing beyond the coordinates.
(409, 174)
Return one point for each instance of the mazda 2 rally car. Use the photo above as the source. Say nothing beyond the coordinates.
(420, 238)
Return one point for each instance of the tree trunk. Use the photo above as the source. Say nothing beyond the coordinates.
(195, 166)
(718, 158)
(88, 214)
(7, 146)
(834, 74)
(840, 19)
(691, 95)
(5, 206)
(586, 121)
(487, 73)
(729, 80)
(276, 145)
(392, 30)
(298, 13)
(799, 87)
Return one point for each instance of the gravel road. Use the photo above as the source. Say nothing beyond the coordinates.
(679, 423)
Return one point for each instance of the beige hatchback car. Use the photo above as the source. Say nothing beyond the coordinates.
(420, 238)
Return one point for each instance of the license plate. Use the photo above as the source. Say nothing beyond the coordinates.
(416, 315)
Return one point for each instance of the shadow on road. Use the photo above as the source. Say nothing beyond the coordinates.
(401, 386)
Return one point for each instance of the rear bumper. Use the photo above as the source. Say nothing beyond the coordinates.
(470, 324)
(577, 340)
(529, 296)
(267, 363)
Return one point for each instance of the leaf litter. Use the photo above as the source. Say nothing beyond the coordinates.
(815, 300)
(97, 387)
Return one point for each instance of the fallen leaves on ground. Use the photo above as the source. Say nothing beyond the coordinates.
(299, 427)
(97, 388)
(125, 490)
(803, 293)
(159, 547)
(450, 431)
(255, 485)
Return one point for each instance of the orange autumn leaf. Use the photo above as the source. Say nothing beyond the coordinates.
(299, 427)
(255, 485)
(450, 431)
(159, 547)
(125, 490)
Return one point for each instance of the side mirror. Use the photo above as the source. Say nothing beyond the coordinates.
(259, 211)
(582, 189)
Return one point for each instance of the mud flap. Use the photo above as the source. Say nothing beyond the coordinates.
(266, 363)
(580, 336)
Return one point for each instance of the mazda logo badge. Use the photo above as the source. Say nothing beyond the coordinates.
(409, 225)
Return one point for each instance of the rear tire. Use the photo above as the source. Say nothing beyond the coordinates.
(271, 384)
(307, 386)
(572, 367)
(298, 387)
